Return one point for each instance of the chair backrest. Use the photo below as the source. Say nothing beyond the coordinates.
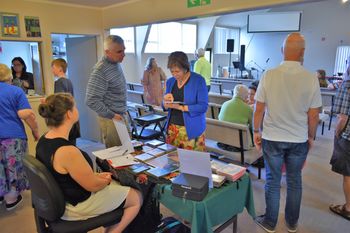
(218, 99)
(213, 110)
(228, 133)
(135, 96)
(47, 197)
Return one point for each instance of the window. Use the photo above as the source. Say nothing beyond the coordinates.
(220, 39)
(341, 60)
(128, 36)
(170, 37)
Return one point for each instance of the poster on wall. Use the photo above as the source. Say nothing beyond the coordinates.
(32, 25)
(9, 24)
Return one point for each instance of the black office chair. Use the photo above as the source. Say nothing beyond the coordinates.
(49, 205)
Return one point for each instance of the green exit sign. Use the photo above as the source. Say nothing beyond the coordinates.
(195, 3)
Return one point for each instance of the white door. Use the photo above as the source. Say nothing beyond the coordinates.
(81, 57)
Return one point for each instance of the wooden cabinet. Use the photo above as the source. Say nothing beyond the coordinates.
(34, 102)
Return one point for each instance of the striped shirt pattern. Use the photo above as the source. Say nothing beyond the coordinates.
(106, 89)
(342, 105)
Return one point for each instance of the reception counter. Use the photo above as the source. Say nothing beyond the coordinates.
(34, 102)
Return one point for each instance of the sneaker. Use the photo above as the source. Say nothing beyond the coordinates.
(15, 204)
(260, 220)
(292, 228)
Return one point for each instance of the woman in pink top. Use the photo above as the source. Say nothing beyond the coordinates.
(152, 81)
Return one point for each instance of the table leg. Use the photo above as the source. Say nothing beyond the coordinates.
(232, 220)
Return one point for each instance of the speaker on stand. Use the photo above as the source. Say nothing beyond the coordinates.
(242, 60)
(230, 49)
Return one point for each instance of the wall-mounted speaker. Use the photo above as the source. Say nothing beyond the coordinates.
(242, 58)
(230, 45)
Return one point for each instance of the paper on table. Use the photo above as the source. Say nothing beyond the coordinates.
(196, 163)
(124, 135)
(120, 161)
(109, 153)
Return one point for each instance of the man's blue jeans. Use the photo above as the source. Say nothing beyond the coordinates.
(294, 156)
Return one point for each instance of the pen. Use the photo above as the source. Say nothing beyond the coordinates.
(125, 152)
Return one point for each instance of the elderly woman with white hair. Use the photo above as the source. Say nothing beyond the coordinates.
(237, 110)
(14, 108)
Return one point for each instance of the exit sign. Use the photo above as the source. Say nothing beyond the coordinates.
(195, 3)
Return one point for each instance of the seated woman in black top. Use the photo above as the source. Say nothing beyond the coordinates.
(87, 194)
(21, 77)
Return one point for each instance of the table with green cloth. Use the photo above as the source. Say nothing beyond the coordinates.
(219, 206)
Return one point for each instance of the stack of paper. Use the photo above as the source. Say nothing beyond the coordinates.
(117, 156)
(218, 180)
(217, 165)
(231, 171)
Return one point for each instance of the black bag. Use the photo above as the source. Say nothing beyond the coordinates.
(172, 225)
(149, 215)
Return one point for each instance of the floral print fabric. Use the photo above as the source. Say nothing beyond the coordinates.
(177, 136)
(12, 175)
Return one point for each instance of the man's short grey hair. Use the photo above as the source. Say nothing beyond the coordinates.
(200, 52)
(112, 39)
(241, 91)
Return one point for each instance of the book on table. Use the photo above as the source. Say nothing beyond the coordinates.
(167, 147)
(156, 152)
(231, 171)
(143, 157)
(163, 165)
(139, 167)
(154, 143)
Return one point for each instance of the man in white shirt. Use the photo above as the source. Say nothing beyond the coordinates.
(290, 98)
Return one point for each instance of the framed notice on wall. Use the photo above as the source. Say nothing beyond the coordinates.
(32, 25)
(9, 24)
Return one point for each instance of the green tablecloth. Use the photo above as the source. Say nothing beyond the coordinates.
(218, 206)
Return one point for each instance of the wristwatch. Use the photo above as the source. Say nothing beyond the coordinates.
(256, 130)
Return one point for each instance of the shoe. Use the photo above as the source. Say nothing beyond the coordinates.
(260, 220)
(291, 228)
(15, 204)
(1, 200)
(340, 210)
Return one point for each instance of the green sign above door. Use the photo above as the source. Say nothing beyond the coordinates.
(195, 3)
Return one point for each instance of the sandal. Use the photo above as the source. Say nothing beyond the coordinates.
(340, 210)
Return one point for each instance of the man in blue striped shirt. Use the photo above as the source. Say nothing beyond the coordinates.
(106, 89)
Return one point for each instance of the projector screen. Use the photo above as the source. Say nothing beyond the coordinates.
(274, 22)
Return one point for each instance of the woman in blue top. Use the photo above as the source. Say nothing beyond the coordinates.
(186, 99)
(14, 108)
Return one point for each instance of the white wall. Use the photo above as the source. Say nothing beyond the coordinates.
(325, 26)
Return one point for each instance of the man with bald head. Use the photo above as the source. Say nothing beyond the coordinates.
(289, 98)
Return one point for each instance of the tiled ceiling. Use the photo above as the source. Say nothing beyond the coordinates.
(90, 3)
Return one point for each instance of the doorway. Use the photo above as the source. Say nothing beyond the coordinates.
(80, 52)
